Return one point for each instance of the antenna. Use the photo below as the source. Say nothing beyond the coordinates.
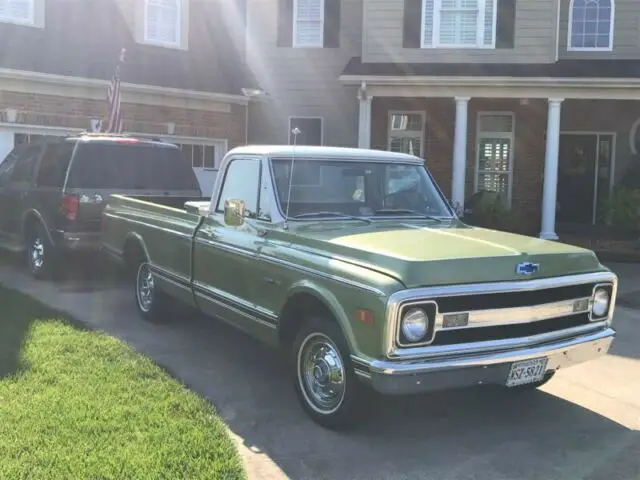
(296, 131)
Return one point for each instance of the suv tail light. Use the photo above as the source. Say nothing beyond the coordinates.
(69, 207)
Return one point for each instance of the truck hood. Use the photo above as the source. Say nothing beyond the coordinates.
(425, 255)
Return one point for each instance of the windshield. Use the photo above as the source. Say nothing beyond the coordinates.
(131, 167)
(364, 189)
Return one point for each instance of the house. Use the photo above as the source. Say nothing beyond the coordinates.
(537, 100)
(182, 77)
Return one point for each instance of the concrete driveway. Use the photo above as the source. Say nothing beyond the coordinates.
(583, 425)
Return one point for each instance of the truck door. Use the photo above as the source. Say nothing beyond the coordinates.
(225, 256)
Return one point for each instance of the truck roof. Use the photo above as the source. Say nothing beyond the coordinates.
(118, 138)
(325, 153)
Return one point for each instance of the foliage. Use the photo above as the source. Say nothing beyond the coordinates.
(80, 404)
(621, 211)
(487, 209)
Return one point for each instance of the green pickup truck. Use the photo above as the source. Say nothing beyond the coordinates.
(353, 263)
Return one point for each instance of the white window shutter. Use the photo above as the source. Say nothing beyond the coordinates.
(17, 10)
(309, 18)
(489, 28)
(428, 9)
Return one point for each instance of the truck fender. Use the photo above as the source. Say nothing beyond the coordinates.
(134, 240)
(324, 296)
(34, 216)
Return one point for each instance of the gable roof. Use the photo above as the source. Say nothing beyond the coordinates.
(83, 38)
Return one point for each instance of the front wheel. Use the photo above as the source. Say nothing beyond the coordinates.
(153, 304)
(324, 380)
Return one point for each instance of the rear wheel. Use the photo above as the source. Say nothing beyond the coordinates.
(41, 259)
(153, 304)
(323, 376)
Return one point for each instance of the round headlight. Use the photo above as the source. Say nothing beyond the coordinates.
(414, 324)
(600, 302)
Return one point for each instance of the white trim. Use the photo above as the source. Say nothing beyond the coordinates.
(31, 21)
(559, 3)
(508, 135)
(134, 88)
(305, 117)
(39, 129)
(480, 30)
(588, 49)
(632, 137)
(178, 26)
(294, 43)
(409, 134)
(612, 171)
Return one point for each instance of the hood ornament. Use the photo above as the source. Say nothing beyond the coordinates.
(527, 268)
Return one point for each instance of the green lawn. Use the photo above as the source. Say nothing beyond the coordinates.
(76, 404)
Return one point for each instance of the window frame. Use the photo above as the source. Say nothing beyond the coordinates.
(480, 27)
(259, 186)
(412, 134)
(294, 42)
(571, 48)
(31, 21)
(303, 117)
(511, 136)
(178, 26)
(38, 150)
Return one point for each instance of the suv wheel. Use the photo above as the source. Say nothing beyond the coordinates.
(153, 304)
(40, 256)
(323, 376)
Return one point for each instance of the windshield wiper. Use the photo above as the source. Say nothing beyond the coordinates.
(405, 211)
(330, 214)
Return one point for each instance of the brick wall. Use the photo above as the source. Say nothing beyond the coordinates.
(528, 164)
(58, 111)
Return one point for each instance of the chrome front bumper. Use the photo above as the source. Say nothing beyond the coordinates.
(423, 375)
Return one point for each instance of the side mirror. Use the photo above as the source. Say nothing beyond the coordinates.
(234, 212)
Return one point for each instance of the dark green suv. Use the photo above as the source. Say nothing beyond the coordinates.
(52, 193)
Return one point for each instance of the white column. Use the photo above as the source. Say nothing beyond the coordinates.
(459, 153)
(550, 186)
(364, 118)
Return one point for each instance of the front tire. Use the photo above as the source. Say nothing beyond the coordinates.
(41, 259)
(323, 376)
(153, 304)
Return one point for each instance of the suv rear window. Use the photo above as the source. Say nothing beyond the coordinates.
(130, 167)
(54, 163)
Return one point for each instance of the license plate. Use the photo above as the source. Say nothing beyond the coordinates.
(527, 371)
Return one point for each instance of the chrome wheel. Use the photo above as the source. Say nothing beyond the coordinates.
(321, 373)
(145, 287)
(36, 255)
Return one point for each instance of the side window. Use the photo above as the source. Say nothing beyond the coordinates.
(54, 164)
(23, 170)
(241, 183)
(7, 166)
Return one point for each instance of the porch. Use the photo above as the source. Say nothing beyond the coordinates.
(553, 154)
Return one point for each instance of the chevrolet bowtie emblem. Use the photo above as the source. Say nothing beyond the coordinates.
(527, 268)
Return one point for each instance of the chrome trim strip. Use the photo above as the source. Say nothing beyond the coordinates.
(234, 302)
(210, 298)
(492, 345)
(396, 300)
(515, 315)
(564, 348)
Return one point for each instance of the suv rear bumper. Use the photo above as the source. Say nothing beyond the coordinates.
(415, 376)
(77, 241)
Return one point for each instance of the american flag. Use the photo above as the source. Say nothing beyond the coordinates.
(114, 115)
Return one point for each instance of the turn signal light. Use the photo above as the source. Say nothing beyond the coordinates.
(364, 316)
(69, 207)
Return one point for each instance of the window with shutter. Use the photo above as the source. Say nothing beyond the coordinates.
(591, 24)
(17, 11)
(308, 23)
(406, 132)
(494, 162)
(459, 23)
(162, 22)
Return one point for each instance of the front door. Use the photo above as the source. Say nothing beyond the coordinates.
(584, 174)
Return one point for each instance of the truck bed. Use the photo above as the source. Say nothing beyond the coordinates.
(169, 201)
